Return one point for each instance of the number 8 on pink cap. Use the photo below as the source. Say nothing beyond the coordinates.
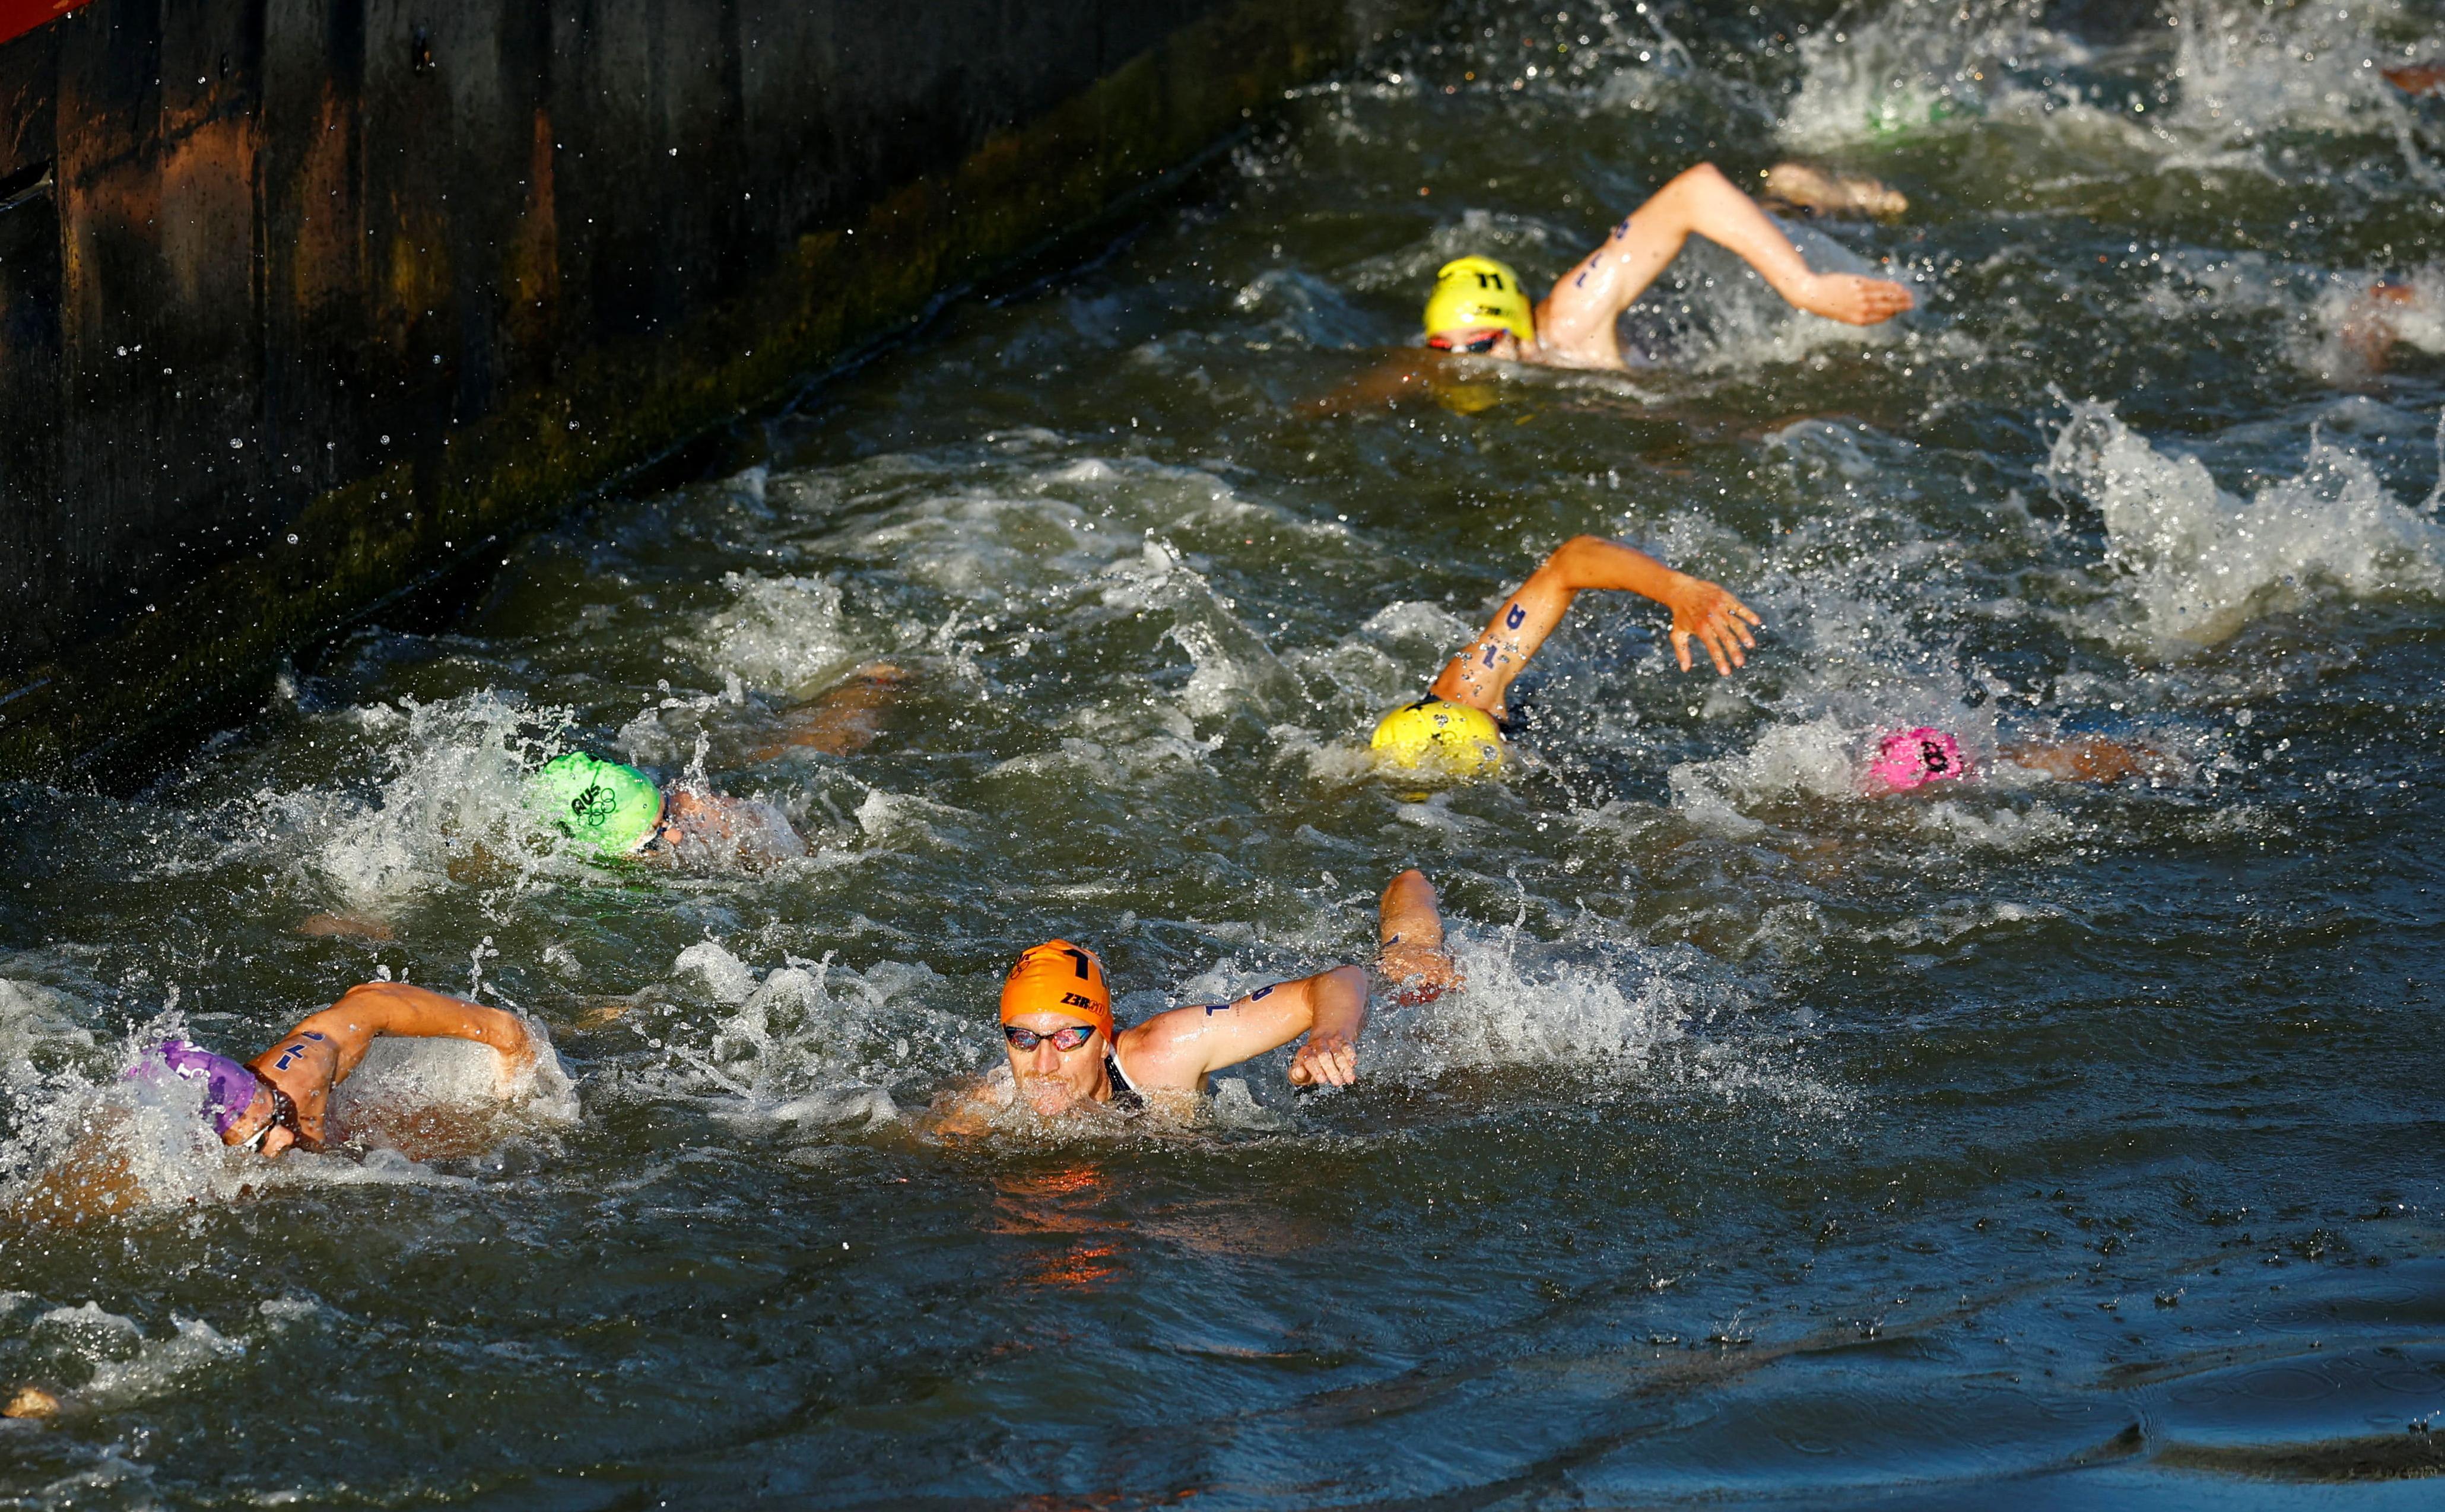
(1907, 759)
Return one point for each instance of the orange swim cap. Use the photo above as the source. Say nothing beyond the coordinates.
(1058, 978)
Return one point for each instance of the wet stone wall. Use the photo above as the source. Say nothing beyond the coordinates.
(303, 302)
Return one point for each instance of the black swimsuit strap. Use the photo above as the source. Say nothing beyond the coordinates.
(1124, 1096)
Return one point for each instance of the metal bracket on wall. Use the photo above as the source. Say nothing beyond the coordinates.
(24, 186)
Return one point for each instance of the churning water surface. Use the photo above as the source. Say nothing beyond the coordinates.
(2031, 1142)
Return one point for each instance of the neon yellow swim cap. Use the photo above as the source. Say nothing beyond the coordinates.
(598, 803)
(1478, 291)
(1451, 739)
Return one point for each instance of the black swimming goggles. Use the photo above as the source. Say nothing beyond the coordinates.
(1481, 344)
(284, 1115)
(1065, 1039)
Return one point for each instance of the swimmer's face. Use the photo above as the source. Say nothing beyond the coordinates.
(1050, 1079)
(258, 1120)
(1483, 341)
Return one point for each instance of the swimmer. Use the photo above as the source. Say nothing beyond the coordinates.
(1457, 728)
(1064, 1053)
(1797, 189)
(609, 811)
(281, 1100)
(1481, 306)
(1909, 760)
(619, 813)
(1478, 304)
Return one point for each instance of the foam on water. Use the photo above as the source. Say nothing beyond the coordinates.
(2249, 70)
(2210, 88)
(440, 790)
(2193, 564)
(811, 1043)
(784, 634)
(1918, 65)
(1528, 1003)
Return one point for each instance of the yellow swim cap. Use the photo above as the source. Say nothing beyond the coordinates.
(1477, 292)
(1451, 739)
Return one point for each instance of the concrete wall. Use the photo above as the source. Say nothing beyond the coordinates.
(303, 301)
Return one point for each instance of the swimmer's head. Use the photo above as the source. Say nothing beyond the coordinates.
(610, 807)
(230, 1089)
(1477, 297)
(1060, 979)
(1910, 758)
(1439, 739)
(1053, 1007)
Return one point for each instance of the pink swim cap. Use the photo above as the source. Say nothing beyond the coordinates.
(1905, 758)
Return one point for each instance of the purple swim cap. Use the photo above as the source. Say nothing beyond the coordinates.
(229, 1088)
(1905, 758)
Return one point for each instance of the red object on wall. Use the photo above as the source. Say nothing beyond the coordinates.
(17, 17)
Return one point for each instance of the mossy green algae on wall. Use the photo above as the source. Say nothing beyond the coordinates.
(601, 403)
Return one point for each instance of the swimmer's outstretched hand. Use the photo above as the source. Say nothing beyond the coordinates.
(1327, 1060)
(1850, 298)
(1706, 611)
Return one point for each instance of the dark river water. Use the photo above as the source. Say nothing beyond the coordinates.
(2024, 1143)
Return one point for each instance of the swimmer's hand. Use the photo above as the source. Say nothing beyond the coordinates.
(1706, 611)
(515, 1059)
(1851, 299)
(1328, 1059)
(1418, 974)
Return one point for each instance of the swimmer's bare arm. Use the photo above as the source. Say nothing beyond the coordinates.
(1480, 674)
(756, 832)
(1577, 323)
(1410, 940)
(319, 1053)
(2088, 759)
(1177, 1050)
(1385, 387)
(2417, 78)
(843, 720)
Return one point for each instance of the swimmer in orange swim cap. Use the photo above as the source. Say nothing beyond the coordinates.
(1064, 1050)
(1479, 676)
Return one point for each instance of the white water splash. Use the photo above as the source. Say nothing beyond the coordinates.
(2195, 564)
(784, 634)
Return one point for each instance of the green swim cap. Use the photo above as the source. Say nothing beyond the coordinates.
(599, 803)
